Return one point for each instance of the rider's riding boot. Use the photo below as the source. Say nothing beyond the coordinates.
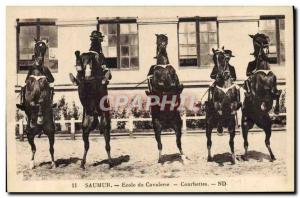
(247, 88)
(276, 95)
(54, 105)
(21, 106)
(73, 79)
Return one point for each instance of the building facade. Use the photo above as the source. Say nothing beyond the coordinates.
(130, 46)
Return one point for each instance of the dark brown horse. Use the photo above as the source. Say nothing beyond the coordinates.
(163, 83)
(263, 88)
(38, 103)
(223, 102)
(93, 96)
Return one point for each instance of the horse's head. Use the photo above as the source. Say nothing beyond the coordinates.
(161, 49)
(220, 59)
(40, 48)
(261, 44)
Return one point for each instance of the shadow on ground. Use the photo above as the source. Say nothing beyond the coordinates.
(256, 155)
(61, 162)
(114, 161)
(170, 158)
(222, 158)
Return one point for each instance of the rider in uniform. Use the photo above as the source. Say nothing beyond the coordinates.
(96, 38)
(260, 41)
(37, 67)
(214, 75)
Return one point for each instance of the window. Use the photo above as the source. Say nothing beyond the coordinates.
(27, 31)
(197, 36)
(274, 27)
(120, 44)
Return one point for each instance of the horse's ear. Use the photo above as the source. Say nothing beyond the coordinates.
(35, 39)
(77, 53)
(223, 48)
(251, 35)
(213, 50)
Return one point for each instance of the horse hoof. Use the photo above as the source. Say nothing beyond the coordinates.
(276, 110)
(245, 158)
(160, 161)
(53, 165)
(31, 165)
(184, 159)
(82, 165)
(272, 159)
(233, 160)
(209, 159)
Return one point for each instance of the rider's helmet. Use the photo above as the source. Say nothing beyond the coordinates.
(260, 41)
(96, 35)
(228, 54)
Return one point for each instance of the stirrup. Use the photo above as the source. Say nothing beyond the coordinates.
(73, 79)
(21, 107)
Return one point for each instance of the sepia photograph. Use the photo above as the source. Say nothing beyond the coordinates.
(150, 99)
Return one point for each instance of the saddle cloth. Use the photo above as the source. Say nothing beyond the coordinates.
(225, 90)
(262, 70)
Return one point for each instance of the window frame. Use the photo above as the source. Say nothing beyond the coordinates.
(197, 20)
(277, 34)
(120, 21)
(38, 22)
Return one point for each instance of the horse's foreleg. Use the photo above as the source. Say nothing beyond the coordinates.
(33, 150)
(268, 132)
(106, 129)
(209, 142)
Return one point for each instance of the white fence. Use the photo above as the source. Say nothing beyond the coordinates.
(130, 123)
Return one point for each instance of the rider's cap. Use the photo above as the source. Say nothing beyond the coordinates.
(228, 53)
(96, 35)
(261, 39)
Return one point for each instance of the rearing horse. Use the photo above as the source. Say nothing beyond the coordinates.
(263, 88)
(93, 97)
(38, 103)
(223, 102)
(163, 82)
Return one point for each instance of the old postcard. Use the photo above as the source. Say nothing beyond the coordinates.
(150, 99)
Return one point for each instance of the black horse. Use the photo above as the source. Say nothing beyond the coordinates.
(38, 103)
(223, 102)
(263, 90)
(92, 91)
(163, 82)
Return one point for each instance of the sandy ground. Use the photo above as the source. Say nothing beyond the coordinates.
(137, 157)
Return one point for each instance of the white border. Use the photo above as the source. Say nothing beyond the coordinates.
(3, 79)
